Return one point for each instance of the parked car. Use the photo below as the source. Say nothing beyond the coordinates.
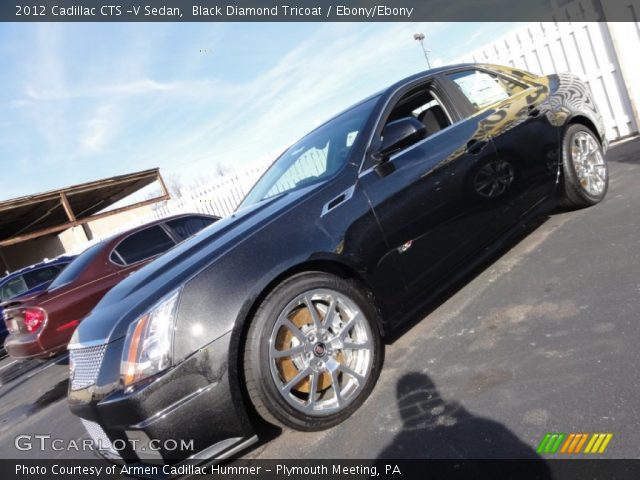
(41, 325)
(27, 281)
(282, 308)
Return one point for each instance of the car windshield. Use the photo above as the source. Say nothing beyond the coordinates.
(315, 158)
(75, 268)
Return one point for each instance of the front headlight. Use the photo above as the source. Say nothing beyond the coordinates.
(148, 346)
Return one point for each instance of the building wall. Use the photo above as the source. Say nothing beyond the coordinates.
(30, 252)
(74, 240)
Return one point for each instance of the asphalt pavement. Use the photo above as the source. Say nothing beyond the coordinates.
(543, 339)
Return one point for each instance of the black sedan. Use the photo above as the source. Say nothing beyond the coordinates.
(281, 310)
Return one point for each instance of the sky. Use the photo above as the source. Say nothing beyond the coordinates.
(80, 102)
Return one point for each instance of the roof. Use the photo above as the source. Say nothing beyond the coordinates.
(41, 214)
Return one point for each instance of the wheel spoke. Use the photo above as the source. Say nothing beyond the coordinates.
(351, 373)
(331, 311)
(287, 353)
(335, 382)
(311, 402)
(293, 328)
(302, 374)
(346, 328)
(356, 345)
(313, 312)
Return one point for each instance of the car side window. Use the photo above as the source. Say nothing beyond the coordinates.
(13, 287)
(423, 104)
(185, 227)
(143, 244)
(483, 89)
(40, 276)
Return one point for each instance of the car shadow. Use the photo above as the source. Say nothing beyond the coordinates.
(435, 428)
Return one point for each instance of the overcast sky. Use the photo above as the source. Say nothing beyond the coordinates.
(81, 102)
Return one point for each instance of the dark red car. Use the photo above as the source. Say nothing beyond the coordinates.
(41, 325)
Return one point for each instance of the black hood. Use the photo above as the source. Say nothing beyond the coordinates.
(128, 300)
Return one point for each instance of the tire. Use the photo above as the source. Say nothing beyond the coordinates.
(586, 175)
(289, 354)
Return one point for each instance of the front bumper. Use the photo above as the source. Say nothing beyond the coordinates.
(192, 411)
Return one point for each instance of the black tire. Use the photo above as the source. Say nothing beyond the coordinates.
(261, 386)
(575, 195)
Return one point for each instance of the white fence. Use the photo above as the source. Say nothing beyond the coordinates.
(222, 196)
(583, 48)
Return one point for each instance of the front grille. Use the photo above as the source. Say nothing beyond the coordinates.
(100, 439)
(85, 364)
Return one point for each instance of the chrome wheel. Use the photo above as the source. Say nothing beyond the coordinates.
(493, 179)
(588, 163)
(320, 352)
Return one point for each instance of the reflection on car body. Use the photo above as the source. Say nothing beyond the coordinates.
(281, 309)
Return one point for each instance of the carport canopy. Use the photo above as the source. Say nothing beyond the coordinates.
(34, 216)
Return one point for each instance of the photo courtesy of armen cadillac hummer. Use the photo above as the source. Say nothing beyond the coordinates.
(281, 310)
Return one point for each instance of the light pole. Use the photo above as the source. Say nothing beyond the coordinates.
(420, 38)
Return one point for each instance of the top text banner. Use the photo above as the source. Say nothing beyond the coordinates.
(317, 10)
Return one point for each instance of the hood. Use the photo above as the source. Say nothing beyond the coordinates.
(132, 297)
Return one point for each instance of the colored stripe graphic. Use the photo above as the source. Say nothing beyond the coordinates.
(598, 443)
(581, 443)
(551, 442)
(573, 443)
(570, 439)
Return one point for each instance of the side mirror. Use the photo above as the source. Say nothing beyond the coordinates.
(399, 134)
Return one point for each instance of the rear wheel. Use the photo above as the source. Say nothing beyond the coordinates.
(586, 174)
(313, 352)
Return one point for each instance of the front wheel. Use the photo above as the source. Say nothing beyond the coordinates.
(313, 352)
(586, 174)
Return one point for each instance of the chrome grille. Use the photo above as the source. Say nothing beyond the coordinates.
(84, 364)
(100, 439)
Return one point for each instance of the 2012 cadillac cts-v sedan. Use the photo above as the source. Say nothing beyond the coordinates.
(281, 309)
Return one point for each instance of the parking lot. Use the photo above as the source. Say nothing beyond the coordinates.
(543, 339)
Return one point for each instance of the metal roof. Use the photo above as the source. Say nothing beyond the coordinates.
(33, 216)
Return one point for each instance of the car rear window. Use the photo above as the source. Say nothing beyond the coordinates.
(144, 244)
(77, 266)
(187, 226)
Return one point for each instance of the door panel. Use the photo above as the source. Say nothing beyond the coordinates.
(524, 138)
(425, 201)
(527, 145)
